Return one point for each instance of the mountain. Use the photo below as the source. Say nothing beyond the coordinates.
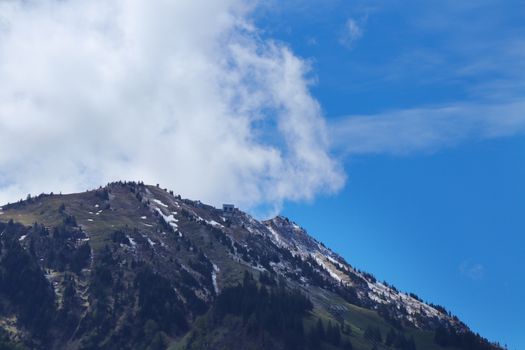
(132, 266)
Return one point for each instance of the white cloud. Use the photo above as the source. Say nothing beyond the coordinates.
(352, 32)
(471, 270)
(426, 129)
(181, 93)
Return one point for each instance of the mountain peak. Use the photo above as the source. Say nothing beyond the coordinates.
(132, 255)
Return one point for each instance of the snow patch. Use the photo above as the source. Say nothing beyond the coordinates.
(214, 278)
(336, 263)
(327, 268)
(132, 241)
(381, 293)
(160, 203)
(277, 238)
(170, 219)
(214, 223)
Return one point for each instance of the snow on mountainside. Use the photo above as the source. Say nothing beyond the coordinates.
(130, 234)
(290, 235)
(286, 236)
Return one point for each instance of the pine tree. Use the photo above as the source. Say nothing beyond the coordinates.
(390, 337)
(337, 336)
(320, 330)
(411, 344)
(373, 334)
(314, 342)
(329, 332)
(347, 345)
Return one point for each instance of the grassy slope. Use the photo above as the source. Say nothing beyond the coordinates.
(126, 211)
(359, 319)
(123, 213)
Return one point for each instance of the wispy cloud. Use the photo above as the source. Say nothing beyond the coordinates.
(352, 32)
(471, 270)
(426, 129)
(486, 76)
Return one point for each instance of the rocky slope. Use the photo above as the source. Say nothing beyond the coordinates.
(131, 266)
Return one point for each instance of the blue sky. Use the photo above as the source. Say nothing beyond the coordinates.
(424, 103)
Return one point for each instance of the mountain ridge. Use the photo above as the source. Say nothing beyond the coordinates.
(139, 235)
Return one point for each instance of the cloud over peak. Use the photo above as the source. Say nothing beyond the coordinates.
(183, 93)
